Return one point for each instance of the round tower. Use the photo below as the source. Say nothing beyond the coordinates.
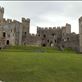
(1, 13)
(80, 34)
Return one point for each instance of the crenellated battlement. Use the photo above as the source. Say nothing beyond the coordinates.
(68, 24)
(9, 20)
(16, 32)
(46, 28)
(25, 20)
(54, 28)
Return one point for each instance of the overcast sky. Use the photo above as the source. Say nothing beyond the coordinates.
(45, 14)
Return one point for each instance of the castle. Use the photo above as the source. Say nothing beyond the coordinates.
(13, 32)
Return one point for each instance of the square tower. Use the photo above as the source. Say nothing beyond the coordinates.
(26, 25)
(68, 28)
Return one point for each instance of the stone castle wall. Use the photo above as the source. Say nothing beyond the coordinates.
(13, 32)
(60, 37)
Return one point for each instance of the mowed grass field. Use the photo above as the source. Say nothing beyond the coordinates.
(37, 64)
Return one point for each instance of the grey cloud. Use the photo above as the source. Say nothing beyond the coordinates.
(33, 10)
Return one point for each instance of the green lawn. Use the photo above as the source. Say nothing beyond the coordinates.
(36, 64)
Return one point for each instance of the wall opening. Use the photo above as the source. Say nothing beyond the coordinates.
(55, 41)
(53, 34)
(44, 45)
(25, 33)
(0, 48)
(4, 34)
(38, 35)
(44, 36)
(7, 42)
(67, 38)
(47, 40)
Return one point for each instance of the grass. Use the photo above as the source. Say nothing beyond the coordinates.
(37, 64)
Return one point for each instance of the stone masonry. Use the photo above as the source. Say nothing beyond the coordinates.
(60, 37)
(13, 32)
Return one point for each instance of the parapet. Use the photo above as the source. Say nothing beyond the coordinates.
(9, 20)
(63, 27)
(28, 19)
(25, 20)
(39, 28)
(54, 28)
(47, 28)
(15, 21)
(68, 25)
(58, 27)
(50, 27)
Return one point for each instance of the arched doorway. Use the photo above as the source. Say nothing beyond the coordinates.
(7, 42)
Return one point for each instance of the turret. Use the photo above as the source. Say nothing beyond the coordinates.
(1, 13)
(68, 28)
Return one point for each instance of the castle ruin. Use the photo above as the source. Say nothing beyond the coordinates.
(13, 32)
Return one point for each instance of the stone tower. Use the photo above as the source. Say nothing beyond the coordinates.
(25, 29)
(1, 13)
(26, 25)
(68, 28)
(80, 34)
